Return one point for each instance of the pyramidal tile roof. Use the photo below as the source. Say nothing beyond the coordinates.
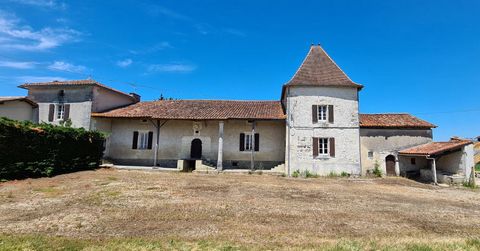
(318, 69)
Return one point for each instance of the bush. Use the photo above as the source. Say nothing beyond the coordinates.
(345, 174)
(376, 170)
(296, 173)
(308, 174)
(332, 174)
(35, 150)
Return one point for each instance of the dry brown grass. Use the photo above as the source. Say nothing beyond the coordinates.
(246, 210)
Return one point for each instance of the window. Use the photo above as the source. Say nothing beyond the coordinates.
(413, 161)
(323, 146)
(248, 142)
(322, 112)
(60, 111)
(142, 140)
(370, 155)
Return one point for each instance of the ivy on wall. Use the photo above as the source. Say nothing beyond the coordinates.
(30, 150)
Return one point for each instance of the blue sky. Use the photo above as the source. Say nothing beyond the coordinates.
(420, 57)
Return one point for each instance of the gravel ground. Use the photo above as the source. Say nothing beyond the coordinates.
(236, 208)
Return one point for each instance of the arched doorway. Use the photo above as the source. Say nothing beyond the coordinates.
(390, 165)
(196, 149)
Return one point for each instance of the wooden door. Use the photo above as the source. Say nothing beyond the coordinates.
(390, 165)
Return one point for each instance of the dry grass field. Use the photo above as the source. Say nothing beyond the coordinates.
(111, 209)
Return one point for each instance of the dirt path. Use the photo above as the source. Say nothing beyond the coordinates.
(235, 208)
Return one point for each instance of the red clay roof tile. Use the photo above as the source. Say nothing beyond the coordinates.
(392, 121)
(434, 148)
(199, 109)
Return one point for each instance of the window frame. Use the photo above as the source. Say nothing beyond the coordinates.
(142, 135)
(246, 143)
(59, 113)
(370, 154)
(322, 110)
(323, 147)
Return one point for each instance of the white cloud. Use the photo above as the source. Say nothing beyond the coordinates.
(152, 49)
(64, 66)
(35, 79)
(157, 10)
(124, 63)
(13, 35)
(53, 4)
(17, 64)
(179, 68)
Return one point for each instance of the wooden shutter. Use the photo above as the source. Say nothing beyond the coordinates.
(135, 140)
(257, 142)
(331, 141)
(150, 140)
(330, 114)
(315, 147)
(242, 142)
(66, 115)
(51, 112)
(314, 114)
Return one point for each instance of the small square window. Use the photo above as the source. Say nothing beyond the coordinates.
(413, 161)
(370, 155)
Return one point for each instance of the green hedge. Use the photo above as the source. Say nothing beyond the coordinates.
(35, 150)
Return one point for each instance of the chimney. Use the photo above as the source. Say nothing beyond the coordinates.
(135, 96)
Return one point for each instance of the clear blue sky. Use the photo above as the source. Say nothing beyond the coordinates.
(420, 57)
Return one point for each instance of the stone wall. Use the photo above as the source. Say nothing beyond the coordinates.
(104, 100)
(345, 130)
(18, 110)
(384, 142)
(176, 137)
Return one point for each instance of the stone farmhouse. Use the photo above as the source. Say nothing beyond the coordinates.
(315, 126)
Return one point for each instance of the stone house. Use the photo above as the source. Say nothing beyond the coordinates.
(315, 126)
(19, 108)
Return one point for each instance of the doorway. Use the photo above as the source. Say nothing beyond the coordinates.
(390, 165)
(196, 149)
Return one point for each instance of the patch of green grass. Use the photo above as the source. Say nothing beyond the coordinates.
(296, 173)
(43, 242)
(332, 174)
(50, 191)
(477, 167)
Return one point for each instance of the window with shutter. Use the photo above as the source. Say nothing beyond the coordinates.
(249, 142)
(67, 112)
(323, 147)
(135, 140)
(320, 113)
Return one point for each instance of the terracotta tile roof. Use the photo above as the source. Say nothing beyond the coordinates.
(74, 83)
(18, 98)
(318, 69)
(401, 120)
(199, 109)
(435, 148)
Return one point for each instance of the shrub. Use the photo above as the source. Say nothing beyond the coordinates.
(332, 174)
(308, 174)
(35, 150)
(345, 174)
(296, 173)
(376, 170)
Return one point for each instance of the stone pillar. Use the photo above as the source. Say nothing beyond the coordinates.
(397, 167)
(220, 146)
